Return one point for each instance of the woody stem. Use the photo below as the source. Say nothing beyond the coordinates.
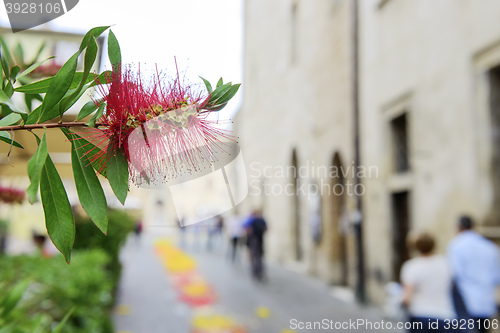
(49, 125)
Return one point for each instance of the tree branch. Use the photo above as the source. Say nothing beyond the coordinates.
(49, 125)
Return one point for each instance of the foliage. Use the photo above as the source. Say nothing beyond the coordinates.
(59, 93)
(40, 293)
(88, 236)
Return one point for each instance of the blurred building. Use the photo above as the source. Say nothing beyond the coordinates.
(295, 127)
(27, 47)
(429, 107)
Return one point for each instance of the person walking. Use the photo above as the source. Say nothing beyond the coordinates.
(236, 233)
(256, 227)
(427, 282)
(475, 263)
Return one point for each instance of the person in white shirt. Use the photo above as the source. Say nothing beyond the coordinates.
(476, 270)
(427, 283)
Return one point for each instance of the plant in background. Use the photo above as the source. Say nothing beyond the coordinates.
(135, 117)
(11, 195)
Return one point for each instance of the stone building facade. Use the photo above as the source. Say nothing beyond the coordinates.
(295, 129)
(429, 121)
(429, 83)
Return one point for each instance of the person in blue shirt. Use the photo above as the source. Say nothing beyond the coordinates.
(475, 263)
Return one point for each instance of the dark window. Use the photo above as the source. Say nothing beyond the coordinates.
(400, 227)
(494, 102)
(400, 143)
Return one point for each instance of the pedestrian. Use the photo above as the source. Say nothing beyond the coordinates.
(475, 263)
(138, 231)
(256, 227)
(236, 233)
(427, 282)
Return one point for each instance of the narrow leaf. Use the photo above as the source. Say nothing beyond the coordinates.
(58, 214)
(90, 56)
(13, 72)
(32, 68)
(208, 85)
(61, 324)
(86, 110)
(42, 86)
(35, 165)
(219, 91)
(10, 119)
(93, 155)
(88, 186)
(117, 172)
(114, 52)
(96, 32)
(40, 49)
(5, 100)
(219, 83)
(228, 95)
(60, 84)
(5, 136)
(13, 297)
(97, 115)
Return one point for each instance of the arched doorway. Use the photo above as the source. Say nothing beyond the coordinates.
(295, 210)
(338, 233)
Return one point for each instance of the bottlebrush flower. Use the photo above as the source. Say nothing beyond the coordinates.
(161, 127)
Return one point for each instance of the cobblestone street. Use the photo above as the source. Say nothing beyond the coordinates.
(185, 289)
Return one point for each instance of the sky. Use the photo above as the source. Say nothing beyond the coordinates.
(204, 36)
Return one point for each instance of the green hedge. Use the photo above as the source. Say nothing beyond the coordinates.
(37, 293)
(88, 236)
(54, 288)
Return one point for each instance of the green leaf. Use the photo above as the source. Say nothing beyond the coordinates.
(117, 172)
(29, 98)
(219, 91)
(228, 95)
(60, 84)
(13, 72)
(5, 136)
(96, 32)
(114, 53)
(216, 107)
(35, 165)
(90, 56)
(58, 214)
(219, 83)
(86, 110)
(10, 119)
(40, 49)
(13, 297)
(208, 85)
(61, 324)
(8, 328)
(5, 100)
(19, 54)
(32, 68)
(5, 51)
(4, 58)
(34, 117)
(92, 155)
(97, 115)
(88, 186)
(42, 86)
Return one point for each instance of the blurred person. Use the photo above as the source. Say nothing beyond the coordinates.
(236, 233)
(215, 231)
(138, 231)
(476, 272)
(427, 282)
(256, 227)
